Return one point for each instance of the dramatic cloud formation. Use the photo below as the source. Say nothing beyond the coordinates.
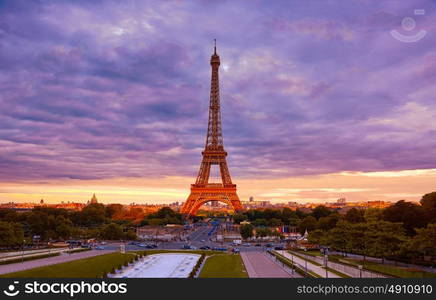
(94, 90)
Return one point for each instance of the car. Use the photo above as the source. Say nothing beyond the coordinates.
(187, 247)
(99, 248)
(246, 244)
(268, 245)
(205, 248)
(258, 245)
(235, 250)
(193, 248)
(202, 241)
(142, 245)
(279, 248)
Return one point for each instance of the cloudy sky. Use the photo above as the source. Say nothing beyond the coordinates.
(319, 100)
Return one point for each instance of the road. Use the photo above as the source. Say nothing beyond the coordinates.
(198, 237)
(258, 265)
(50, 261)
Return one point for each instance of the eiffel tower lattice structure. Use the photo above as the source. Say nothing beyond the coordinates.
(214, 154)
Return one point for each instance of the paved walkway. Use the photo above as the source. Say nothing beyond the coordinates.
(260, 266)
(310, 267)
(4, 269)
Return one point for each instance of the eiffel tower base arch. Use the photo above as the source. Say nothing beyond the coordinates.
(211, 192)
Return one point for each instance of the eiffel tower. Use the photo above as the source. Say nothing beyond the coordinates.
(214, 154)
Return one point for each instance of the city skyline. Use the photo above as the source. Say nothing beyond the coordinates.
(318, 102)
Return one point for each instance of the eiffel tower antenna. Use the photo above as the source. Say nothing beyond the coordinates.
(213, 154)
(214, 46)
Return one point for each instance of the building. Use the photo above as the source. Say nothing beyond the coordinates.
(93, 200)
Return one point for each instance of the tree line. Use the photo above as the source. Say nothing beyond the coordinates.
(405, 230)
(93, 221)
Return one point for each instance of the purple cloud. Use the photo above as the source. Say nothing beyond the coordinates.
(104, 89)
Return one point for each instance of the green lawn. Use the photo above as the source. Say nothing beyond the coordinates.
(311, 252)
(92, 267)
(224, 266)
(397, 271)
(390, 270)
(27, 258)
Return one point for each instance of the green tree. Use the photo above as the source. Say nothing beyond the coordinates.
(308, 223)
(63, 227)
(274, 222)
(321, 211)
(318, 237)
(246, 231)
(385, 239)
(300, 214)
(287, 214)
(156, 222)
(260, 222)
(428, 202)
(112, 209)
(92, 215)
(130, 235)
(373, 214)
(410, 214)
(238, 218)
(337, 237)
(424, 241)
(11, 234)
(357, 238)
(329, 222)
(112, 231)
(263, 232)
(355, 215)
(164, 216)
(294, 221)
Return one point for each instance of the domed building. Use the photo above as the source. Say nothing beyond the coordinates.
(93, 200)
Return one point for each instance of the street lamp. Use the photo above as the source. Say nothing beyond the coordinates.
(22, 255)
(325, 264)
(305, 261)
(360, 270)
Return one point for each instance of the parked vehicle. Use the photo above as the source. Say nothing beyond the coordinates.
(219, 249)
(237, 242)
(99, 248)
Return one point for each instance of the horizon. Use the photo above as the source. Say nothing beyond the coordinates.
(319, 101)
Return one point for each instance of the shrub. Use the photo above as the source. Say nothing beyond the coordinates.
(197, 266)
